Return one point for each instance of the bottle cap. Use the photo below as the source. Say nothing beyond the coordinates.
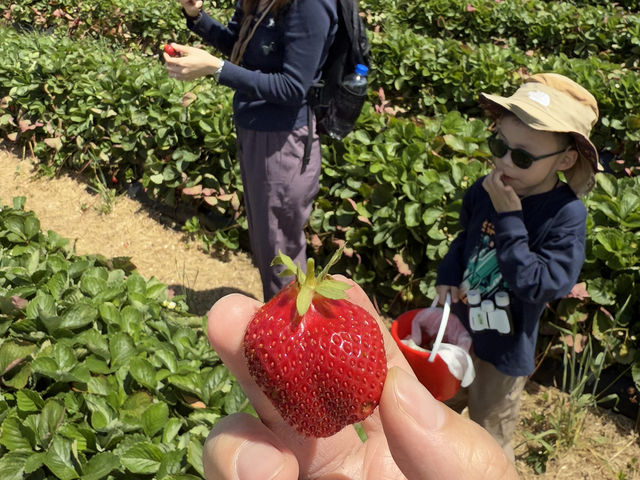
(473, 297)
(502, 299)
(361, 70)
(487, 306)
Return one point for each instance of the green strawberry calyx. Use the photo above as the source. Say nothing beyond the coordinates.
(310, 284)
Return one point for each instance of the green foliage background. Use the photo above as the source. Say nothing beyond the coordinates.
(82, 87)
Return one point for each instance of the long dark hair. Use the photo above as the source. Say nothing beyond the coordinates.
(249, 6)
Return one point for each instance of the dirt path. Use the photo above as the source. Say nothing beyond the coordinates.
(65, 206)
(608, 447)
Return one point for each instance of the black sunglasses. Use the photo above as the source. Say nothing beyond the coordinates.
(520, 158)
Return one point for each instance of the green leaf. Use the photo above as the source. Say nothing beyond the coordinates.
(194, 455)
(431, 215)
(13, 435)
(15, 225)
(100, 465)
(11, 354)
(109, 313)
(57, 284)
(136, 284)
(154, 418)
(412, 214)
(171, 462)
(101, 414)
(78, 316)
(93, 340)
(121, 349)
(20, 379)
(142, 458)
(58, 459)
(45, 366)
(171, 429)
(333, 289)
(34, 462)
(303, 300)
(65, 357)
(143, 372)
(12, 465)
(29, 401)
(31, 227)
(42, 306)
(50, 419)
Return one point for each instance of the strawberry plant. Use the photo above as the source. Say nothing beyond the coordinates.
(102, 373)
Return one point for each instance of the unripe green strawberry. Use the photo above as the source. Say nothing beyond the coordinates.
(318, 357)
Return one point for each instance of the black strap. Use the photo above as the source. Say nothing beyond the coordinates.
(307, 146)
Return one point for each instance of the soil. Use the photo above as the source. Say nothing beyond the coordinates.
(608, 447)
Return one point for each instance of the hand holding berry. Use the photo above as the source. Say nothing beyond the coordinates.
(410, 434)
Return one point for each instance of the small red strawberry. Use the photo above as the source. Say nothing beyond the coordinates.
(170, 50)
(318, 357)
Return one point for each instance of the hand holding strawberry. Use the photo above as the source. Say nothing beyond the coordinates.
(410, 435)
(189, 63)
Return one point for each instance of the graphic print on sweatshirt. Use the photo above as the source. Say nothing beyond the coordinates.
(487, 295)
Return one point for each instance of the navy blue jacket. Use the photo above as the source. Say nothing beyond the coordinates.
(282, 60)
(540, 251)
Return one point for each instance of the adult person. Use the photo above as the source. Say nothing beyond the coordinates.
(411, 435)
(274, 50)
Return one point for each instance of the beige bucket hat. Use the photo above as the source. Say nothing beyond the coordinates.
(555, 103)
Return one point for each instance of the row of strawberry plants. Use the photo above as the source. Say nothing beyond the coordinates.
(103, 374)
(79, 105)
(139, 24)
(548, 27)
(428, 75)
(576, 30)
(419, 75)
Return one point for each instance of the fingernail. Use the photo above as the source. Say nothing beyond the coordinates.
(258, 461)
(415, 401)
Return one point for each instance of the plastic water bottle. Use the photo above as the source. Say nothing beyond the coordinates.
(356, 82)
(348, 102)
(345, 107)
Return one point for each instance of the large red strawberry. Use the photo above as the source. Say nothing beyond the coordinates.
(317, 356)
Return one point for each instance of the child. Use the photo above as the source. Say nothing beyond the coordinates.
(523, 239)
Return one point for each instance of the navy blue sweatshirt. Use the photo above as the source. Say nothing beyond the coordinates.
(535, 255)
(282, 60)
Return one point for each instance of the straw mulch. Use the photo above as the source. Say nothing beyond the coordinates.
(608, 447)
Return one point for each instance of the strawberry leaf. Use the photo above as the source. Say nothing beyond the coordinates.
(290, 267)
(304, 299)
(332, 261)
(333, 289)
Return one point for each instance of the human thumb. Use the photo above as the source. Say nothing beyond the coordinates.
(429, 441)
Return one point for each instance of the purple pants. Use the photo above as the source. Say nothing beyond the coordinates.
(278, 197)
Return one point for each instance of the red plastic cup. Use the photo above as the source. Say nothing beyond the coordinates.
(435, 375)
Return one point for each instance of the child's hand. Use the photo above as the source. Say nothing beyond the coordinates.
(442, 290)
(503, 197)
